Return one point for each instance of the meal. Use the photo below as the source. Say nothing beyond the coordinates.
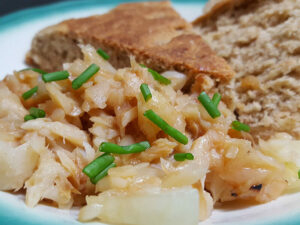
(132, 117)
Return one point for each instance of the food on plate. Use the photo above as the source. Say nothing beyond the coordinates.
(261, 41)
(128, 118)
(151, 31)
(110, 142)
(145, 208)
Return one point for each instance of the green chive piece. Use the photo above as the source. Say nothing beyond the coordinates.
(56, 76)
(117, 149)
(29, 117)
(98, 165)
(103, 54)
(189, 156)
(37, 113)
(210, 107)
(216, 99)
(179, 156)
(138, 147)
(183, 156)
(237, 125)
(146, 92)
(298, 174)
(85, 76)
(35, 70)
(102, 174)
(171, 131)
(158, 77)
(30, 93)
(161, 79)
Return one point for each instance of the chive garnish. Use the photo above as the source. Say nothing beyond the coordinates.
(171, 131)
(56, 76)
(98, 165)
(146, 92)
(34, 113)
(35, 70)
(183, 156)
(117, 149)
(161, 79)
(85, 76)
(216, 99)
(102, 174)
(237, 125)
(28, 117)
(210, 107)
(30, 93)
(37, 113)
(298, 174)
(158, 77)
(103, 54)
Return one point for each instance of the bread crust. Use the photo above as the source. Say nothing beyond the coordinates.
(215, 7)
(151, 31)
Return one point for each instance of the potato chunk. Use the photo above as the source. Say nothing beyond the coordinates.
(165, 207)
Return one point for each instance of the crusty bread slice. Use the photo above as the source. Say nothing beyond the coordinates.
(261, 41)
(213, 8)
(152, 31)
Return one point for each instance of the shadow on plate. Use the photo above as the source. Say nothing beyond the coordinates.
(236, 205)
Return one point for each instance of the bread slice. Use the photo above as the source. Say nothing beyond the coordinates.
(261, 41)
(153, 32)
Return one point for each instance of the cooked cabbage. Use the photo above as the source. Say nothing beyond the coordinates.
(17, 164)
(46, 156)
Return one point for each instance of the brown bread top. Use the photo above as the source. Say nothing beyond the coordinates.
(151, 31)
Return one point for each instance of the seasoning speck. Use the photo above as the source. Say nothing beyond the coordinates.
(234, 194)
(256, 187)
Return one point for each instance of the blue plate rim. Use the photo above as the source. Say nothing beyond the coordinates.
(21, 16)
(7, 214)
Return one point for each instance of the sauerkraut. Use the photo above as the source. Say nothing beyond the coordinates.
(46, 156)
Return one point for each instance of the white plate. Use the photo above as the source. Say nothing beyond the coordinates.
(16, 33)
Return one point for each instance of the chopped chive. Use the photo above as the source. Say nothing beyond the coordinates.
(237, 125)
(117, 149)
(189, 156)
(29, 117)
(37, 113)
(35, 70)
(30, 93)
(103, 54)
(210, 107)
(171, 131)
(183, 156)
(298, 174)
(216, 99)
(56, 76)
(158, 77)
(102, 174)
(98, 165)
(161, 79)
(146, 92)
(138, 147)
(85, 76)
